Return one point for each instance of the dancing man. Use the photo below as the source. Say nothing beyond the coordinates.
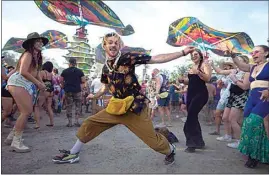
(118, 75)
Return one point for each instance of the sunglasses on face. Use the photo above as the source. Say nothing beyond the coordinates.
(195, 54)
(111, 34)
(254, 52)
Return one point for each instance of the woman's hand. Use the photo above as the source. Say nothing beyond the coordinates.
(230, 52)
(90, 96)
(188, 50)
(41, 86)
(264, 95)
(233, 77)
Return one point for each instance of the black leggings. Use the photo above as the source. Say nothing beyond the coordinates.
(192, 128)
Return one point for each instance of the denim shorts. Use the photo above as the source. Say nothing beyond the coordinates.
(221, 105)
(164, 102)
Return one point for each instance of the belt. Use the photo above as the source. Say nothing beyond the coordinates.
(259, 84)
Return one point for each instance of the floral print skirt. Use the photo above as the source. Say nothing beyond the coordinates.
(254, 141)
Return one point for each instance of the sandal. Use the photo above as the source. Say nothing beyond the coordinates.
(49, 125)
(77, 125)
(251, 163)
(69, 125)
(190, 150)
(36, 127)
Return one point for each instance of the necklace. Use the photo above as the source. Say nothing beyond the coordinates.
(115, 63)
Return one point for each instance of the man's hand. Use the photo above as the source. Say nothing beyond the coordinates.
(90, 96)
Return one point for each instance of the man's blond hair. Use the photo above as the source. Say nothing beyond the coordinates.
(104, 40)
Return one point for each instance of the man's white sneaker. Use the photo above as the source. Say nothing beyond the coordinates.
(224, 138)
(161, 125)
(233, 145)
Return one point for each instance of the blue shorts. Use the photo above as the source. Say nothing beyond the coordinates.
(164, 102)
(221, 106)
(212, 103)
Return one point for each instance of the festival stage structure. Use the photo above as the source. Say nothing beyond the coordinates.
(81, 50)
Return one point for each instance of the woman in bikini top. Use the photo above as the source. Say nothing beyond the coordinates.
(45, 98)
(47, 77)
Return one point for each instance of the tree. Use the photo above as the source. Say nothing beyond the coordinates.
(10, 58)
(180, 70)
(165, 72)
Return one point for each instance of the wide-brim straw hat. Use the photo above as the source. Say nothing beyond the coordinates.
(32, 37)
(229, 63)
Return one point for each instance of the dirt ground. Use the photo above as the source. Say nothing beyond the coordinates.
(118, 151)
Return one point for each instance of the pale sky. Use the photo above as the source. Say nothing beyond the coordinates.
(150, 20)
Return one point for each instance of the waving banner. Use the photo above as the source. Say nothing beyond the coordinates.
(14, 44)
(189, 31)
(56, 38)
(82, 13)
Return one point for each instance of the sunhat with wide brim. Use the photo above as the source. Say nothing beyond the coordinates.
(32, 37)
(229, 63)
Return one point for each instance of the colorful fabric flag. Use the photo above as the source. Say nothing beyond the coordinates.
(189, 31)
(14, 44)
(128, 30)
(56, 38)
(70, 13)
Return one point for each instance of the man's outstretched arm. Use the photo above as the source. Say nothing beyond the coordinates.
(163, 58)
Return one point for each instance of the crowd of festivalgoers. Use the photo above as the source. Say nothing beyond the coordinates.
(237, 97)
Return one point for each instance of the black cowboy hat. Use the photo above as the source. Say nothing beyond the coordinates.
(9, 67)
(33, 36)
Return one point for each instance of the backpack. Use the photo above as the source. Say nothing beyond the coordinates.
(164, 86)
(167, 134)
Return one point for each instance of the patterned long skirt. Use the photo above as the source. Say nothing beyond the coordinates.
(254, 141)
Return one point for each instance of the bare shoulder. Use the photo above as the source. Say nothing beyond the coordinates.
(27, 54)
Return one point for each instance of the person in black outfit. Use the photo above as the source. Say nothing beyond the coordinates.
(73, 77)
(197, 94)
